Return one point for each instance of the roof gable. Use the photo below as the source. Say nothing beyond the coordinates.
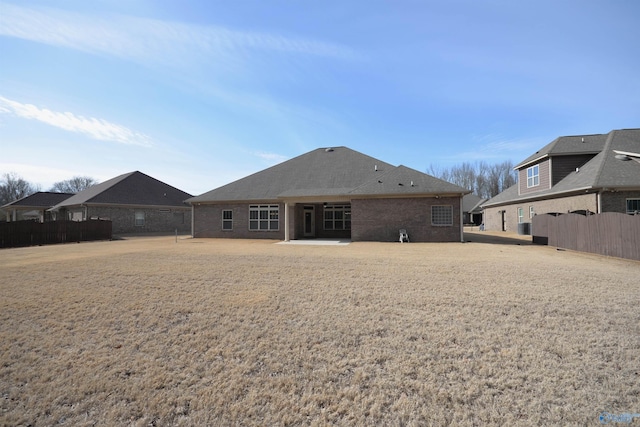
(324, 171)
(134, 188)
(567, 145)
(337, 171)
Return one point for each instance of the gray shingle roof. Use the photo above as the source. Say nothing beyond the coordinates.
(470, 201)
(325, 172)
(602, 171)
(41, 199)
(406, 181)
(134, 188)
(578, 144)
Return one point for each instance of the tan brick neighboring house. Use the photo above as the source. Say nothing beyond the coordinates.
(332, 193)
(134, 202)
(572, 173)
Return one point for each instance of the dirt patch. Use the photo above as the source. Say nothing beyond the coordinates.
(247, 332)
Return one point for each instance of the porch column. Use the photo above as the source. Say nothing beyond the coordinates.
(286, 221)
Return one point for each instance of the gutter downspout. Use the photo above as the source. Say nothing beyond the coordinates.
(599, 201)
(461, 219)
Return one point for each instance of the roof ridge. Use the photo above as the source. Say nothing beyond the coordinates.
(607, 144)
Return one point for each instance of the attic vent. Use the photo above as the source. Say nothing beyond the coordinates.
(583, 139)
(328, 150)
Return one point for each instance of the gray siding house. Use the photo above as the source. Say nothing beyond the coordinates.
(332, 193)
(134, 202)
(584, 173)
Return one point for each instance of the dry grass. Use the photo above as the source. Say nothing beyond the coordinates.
(215, 332)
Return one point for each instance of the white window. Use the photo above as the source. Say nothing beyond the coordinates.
(442, 215)
(76, 216)
(520, 215)
(531, 212)
(337, 217)
(633, 206)
(533, 176)
(139, 219)
(264, 217)
(227, 220)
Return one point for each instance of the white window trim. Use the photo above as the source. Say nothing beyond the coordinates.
(520, 215)
(626, 205)
(227, 220)
(534, 179)
(270, 210)
(532, 212)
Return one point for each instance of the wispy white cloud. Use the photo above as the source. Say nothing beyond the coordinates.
(231, 66)
(496, 147)
(271, 158)
(148, 39)
(510, 145)
(99, 129)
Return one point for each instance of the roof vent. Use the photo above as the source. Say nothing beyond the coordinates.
(328, 150)
(583, 139)
(412, 184)
(375, 167)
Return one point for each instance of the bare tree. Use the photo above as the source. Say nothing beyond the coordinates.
(74, 185)
(481, 178)
(439, 172)
(13, 187)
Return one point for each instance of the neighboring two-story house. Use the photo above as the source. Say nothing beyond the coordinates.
(585, 173)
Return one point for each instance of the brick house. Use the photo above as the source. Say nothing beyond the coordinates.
(584, 173)
(332, 193)
(35, 206)
(134, 202)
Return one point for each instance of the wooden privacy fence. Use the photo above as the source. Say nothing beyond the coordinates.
(29, 233)
(610, 233)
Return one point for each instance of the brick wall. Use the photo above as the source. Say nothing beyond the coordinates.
(208, 222)
(371, 220)
(617, 201)
(381, 220)
(156, 220)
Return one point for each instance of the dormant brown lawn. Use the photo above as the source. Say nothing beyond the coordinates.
(251, 333)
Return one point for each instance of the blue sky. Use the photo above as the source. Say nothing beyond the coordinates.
(201, 93)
